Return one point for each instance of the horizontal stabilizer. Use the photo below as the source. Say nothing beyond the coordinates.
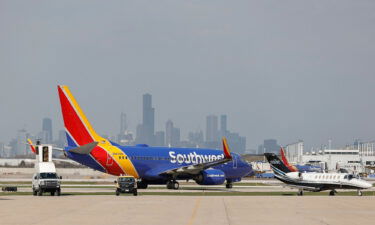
(84, 149)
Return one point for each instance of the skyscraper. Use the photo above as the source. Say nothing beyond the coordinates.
(223, 125)
(211, 128)
(172, 134)
(22, 147)
(47, 131)
(123, 124)
(271, 146)
(146, 131)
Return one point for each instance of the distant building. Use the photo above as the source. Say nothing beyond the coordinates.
(196, 138)
(211, 128)
(123, 123)
(47, 131)
(223, 125)
(294, 152)
(2, 150)
(270, 146)
(21, 146)
(236, 142)
(172, 134)
(125, 137)
(159, 138)
(146, 131)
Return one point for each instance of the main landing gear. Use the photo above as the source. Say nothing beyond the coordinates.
(332, 193)
(300, 193)
(173, 184)
(229, 185)
(359, 193)
(142, 185)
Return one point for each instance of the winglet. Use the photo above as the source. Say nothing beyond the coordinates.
(32, 147)
(226, 149)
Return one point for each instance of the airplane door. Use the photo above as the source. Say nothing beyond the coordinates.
(234, 162)
(109, 160)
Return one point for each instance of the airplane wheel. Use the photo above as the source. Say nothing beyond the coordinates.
(142, 185)
(228, 185)
(35, 192)
(300, 193)
(332, 193)
(40, 192)
(175, 185)
(359, 193)
(169, 185)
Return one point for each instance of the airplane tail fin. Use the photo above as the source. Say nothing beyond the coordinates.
(285, 161)
(32, 147)
(276, 164)
(78, 129)
(226, 149)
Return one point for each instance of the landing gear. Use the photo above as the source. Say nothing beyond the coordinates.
(229, 185)
(333, 193)
(300, 193)
(173, 185)
(142, 185)
(359, 193)
(35, 192)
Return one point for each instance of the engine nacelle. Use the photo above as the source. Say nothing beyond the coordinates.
(210, 177)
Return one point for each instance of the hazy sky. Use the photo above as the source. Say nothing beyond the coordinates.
(279, 69)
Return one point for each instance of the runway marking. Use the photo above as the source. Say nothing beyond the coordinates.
(194, 214)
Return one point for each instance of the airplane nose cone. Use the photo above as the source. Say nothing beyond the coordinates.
(368, 185)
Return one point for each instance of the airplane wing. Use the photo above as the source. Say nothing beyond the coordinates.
(33, 149)
(197, 168)
(307, 188)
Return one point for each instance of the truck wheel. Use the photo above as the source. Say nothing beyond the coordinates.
(58, 192)
(40, 192)
(117, 192)
(135, 192)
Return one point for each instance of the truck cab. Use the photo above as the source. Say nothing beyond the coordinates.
(126, 184)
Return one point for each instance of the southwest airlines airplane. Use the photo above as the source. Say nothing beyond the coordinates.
(151, 165)
(315, 181)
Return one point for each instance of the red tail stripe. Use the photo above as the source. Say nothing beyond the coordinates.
(73, 122)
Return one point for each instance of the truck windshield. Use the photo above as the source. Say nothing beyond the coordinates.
(48, 176)
(126, 179)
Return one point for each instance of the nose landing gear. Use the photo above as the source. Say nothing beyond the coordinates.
(332, 193)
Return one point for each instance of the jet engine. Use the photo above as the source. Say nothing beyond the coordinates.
(210, 177)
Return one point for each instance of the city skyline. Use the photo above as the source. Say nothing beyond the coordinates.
(297, 70)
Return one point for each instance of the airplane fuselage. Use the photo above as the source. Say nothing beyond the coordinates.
(148, 163)
(322, 181)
